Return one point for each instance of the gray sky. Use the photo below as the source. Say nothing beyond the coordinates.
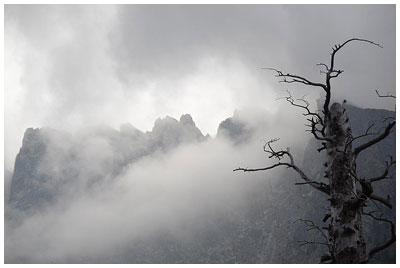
(71, 66)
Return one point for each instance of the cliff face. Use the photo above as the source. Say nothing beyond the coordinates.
(370, 163)
(28, 186)
(265, 230)
(168, 133)
(234, 129)
(51, 163)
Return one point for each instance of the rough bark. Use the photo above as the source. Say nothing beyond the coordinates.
(348, 244)
(331, 126)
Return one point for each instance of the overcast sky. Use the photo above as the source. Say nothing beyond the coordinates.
(72, 66)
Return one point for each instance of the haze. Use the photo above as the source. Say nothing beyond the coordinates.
(79, 72)
(68, 66)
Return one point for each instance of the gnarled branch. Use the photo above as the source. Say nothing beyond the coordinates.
(320, 186)
(368, 144)
(261, 169)
(388, 242)
(293, 78)
(312, 226)
(332, 72)
(385, 172)
(336, 48)
(384, 201)
(385, 96)
(304, 104)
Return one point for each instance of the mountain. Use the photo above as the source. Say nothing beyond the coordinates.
(370, 163)
(235, 130)
(168, 133)
(51, 163)
(28, 186)
(7, 184)
(266, 229)
(278, 237)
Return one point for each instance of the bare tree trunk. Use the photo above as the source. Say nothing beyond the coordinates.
(345, 239)
(348, 244)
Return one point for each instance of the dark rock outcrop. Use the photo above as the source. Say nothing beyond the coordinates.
(50, 162)
(266, 230)
(235, 130)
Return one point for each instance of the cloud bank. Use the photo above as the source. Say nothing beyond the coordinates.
(69, 66)
(180, 193)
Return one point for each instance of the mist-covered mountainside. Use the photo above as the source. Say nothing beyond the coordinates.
(235, 130)
(51, 161)
(370, 163)
(169, 196)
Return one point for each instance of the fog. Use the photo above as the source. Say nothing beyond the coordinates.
(80, 72)
(68, 66)
(180, 192)
(176, 195)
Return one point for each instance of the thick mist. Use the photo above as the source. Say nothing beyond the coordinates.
(180, 193)
(154, 191)
(69, 66)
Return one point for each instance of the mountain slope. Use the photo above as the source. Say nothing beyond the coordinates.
(265, 229)
(51, 163)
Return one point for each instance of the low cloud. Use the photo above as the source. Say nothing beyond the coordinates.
(178, 193)
(69, 66)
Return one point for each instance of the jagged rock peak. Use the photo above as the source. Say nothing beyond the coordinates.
(234, 129)
(35, 136)
(186, 119)
(167, 119)
(30, 135)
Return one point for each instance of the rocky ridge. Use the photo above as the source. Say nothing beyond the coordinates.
(266, 232)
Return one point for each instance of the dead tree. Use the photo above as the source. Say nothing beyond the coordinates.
(347, 193)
